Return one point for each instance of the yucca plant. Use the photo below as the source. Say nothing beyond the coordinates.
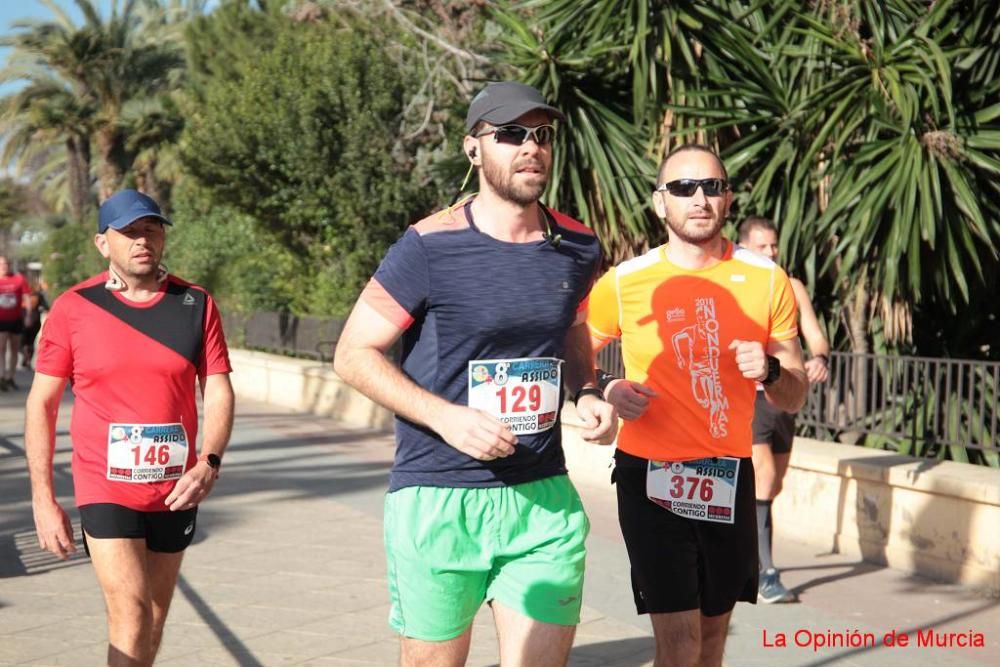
(869, 131)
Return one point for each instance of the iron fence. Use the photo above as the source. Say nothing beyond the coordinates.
(284, 333)
(922, 406)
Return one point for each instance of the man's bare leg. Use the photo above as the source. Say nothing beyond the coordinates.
(713, 639)
(678, 638)
(525, 642)
(121, 567)
(449, 653)
(162, 570)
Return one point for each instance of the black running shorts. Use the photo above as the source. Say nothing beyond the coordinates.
(12, 326)
(680, 563)
(166, 532)
(772, 426)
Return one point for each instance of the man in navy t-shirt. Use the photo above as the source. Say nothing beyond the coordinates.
(489, 297)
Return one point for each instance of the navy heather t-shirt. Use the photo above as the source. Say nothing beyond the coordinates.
(463, 296)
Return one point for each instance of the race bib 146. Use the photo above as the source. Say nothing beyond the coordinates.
(146, 452)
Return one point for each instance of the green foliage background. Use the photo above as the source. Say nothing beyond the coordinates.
(303, 147)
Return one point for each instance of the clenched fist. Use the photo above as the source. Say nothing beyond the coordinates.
(750, 359)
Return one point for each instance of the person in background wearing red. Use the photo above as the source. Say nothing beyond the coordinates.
(13, 288)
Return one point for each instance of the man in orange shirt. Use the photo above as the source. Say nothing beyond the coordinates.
(700, 321)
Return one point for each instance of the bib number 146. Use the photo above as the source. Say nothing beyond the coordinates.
(154, 455)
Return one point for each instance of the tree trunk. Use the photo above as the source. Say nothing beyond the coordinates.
(78, 175)
(109, 174)
(857, 310)
(147, 182)
(857, 316)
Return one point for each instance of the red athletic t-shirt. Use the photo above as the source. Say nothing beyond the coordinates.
(133, 368)
(12, 291)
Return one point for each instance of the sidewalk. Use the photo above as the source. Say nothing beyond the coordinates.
(287, 568)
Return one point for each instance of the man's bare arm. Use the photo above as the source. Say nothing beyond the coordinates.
(789, 391)
(51, 522)
(808, 322)
(360, 360)
(199, 480)
(218, 412)
(819, 347)
(599, 417)
(579, 352)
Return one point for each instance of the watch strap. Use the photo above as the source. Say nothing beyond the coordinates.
(588, 391)
(773, 370)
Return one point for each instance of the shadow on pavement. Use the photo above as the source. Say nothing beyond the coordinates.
(236, 648)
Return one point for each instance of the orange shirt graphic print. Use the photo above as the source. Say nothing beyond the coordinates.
(697, 351)
(675, 327)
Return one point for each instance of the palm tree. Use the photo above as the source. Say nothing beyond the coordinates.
(96, 68)
(48, 130)
(153, 127)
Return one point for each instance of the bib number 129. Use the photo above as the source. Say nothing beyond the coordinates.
(519, 394)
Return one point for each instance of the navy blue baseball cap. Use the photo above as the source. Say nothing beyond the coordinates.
(125, 207)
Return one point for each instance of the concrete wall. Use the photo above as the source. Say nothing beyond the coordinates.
(941, 519)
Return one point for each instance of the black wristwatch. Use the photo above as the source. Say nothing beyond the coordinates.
(588, 391)
(773, 370)
(604, 378)
(214, 462)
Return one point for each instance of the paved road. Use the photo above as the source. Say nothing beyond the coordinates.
(287, 569)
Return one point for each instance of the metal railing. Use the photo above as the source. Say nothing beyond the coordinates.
(921, 406)
(915, 405)
(918, 404)
(284, 333)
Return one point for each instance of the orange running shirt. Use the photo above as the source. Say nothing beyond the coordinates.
(676, 326)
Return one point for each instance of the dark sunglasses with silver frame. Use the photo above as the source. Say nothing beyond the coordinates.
(517, 135)
(686, 187)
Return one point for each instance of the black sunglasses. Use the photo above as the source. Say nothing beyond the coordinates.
(686, 187)
(517, 135)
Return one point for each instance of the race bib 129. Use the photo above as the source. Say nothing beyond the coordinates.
(522, 393)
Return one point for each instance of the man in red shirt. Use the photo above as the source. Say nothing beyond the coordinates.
(13, 288)
(133, 341)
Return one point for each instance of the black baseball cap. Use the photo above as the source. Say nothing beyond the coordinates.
(505, 102)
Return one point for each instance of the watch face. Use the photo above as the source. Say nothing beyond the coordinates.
(214, 460)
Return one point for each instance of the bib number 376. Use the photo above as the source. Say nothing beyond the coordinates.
(704, 489)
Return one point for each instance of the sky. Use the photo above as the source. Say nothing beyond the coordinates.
(13, 10)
